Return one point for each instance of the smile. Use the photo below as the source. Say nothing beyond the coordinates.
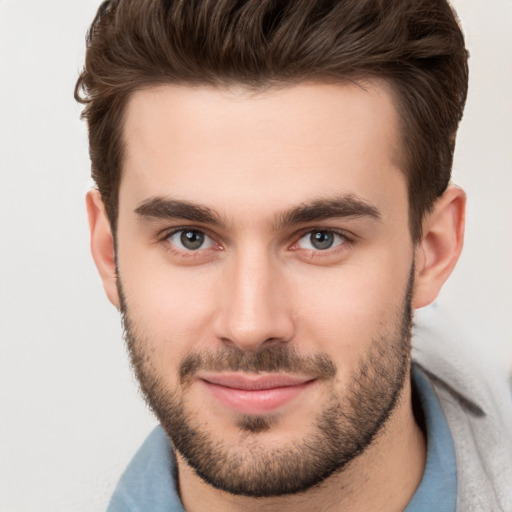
(255, 394)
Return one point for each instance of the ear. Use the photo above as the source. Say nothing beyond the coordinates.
(440, 245)
(102, 244)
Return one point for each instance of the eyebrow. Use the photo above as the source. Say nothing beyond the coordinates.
(320, 209)
(160, 208)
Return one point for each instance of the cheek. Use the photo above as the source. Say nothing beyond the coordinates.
(170, 308)
(347, 309)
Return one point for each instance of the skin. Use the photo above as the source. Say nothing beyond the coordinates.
(250, 158)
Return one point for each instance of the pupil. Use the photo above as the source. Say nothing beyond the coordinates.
(192, 239)
(322, 240)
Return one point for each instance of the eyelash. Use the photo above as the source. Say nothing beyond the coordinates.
(164, 238)
(348, 240)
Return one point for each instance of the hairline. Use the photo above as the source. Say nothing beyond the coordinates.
(362, 80)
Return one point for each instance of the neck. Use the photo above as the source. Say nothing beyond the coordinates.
(384, 477)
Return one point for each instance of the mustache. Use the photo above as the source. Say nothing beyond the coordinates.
(272, 360)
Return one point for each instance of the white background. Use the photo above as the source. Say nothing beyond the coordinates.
(70, 414)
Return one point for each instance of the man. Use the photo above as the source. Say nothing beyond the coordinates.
(273, 202)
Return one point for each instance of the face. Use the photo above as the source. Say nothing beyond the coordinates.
(265, 276)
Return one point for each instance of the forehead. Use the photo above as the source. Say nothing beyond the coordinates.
(232, 148)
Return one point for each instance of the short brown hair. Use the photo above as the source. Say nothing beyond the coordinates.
(415, 45)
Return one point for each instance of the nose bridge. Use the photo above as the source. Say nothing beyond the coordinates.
(255, 308)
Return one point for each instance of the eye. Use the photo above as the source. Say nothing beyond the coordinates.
(190, 240)
(320, 240)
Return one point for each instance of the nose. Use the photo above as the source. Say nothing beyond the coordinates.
(255, 309)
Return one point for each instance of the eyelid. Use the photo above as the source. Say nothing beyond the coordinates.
(350, 237)
(164, 235)
(324, 255)
(337, 240)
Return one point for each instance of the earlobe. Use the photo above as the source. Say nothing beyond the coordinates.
(102, 244)
(440, 245)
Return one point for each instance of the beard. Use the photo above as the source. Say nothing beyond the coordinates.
(345, 428)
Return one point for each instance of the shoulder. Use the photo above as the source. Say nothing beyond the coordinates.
(475, 398)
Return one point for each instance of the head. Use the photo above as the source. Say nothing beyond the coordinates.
(272, 203)
(415, 46)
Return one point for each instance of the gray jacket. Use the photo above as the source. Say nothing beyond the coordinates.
(477, 403)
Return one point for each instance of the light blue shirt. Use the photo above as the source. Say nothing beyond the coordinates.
(149, 482)
(438, 487)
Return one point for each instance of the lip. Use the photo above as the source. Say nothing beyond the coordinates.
(255, 394)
